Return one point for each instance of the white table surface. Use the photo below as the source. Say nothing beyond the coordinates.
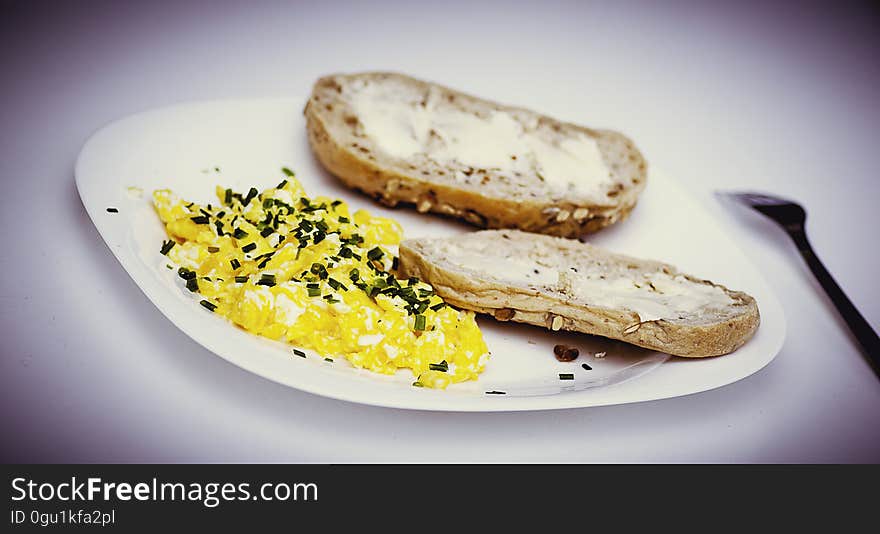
(776, 98)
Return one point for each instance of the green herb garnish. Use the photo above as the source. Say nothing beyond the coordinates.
(249, 247)
(375, 253)
(420, 322)
(336, 285)
(251, 194)
(209, 305)
(167, 246)
(267, 280)
(442, 366)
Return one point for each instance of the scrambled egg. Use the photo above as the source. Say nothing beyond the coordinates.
(309, 272)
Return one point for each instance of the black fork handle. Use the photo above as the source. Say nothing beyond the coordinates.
(865, 335)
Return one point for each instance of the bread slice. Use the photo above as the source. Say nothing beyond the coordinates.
(403, 140)
(564, 284)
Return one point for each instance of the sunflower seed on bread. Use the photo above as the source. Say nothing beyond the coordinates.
(403, 140)
(563, 284)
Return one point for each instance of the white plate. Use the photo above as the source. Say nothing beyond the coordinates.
(250, 140)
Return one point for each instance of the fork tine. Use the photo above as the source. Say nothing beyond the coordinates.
(753, 198)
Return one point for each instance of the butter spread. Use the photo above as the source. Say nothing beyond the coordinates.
(652, 296)
(403, 127)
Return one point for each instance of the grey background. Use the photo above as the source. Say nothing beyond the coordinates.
(779, 97)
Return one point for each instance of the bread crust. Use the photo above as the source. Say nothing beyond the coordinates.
(713, 337)
(392, 184)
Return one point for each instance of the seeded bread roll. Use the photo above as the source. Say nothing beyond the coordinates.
(564, 284)
(403, 140)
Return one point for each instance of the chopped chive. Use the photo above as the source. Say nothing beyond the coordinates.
(212, 250)
(234, 263)
(322, 226)
(267, 280)
(167, 246)
(493, 392)
(566, 376)
(375, 253)
(267, 203)
(186, 274)
(265, 260)
(267, 231)
(241, 279)
(169, 267)
(306, 225)
(319, 270)
(354, 275)
(336, 285)
(239, 233)
(200, 219)
(227, 197)
(395, 263)
(317, 237)
(288, 172)
(328, 360)
(439, 306)
(249, 247)
(419, 324)
(344, 220)
(336, 203)
(209, 305)
(418, 384)
(587, 367)
(442, 366)
(299, 353)
(192, 284)
(345, 252)
(251, 194)
(219, 226)
(314, 291)
(112, 210)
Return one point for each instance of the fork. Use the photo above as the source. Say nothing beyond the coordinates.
(791, 217)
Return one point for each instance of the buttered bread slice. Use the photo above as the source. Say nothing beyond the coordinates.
(564, 284)
(403, 140)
